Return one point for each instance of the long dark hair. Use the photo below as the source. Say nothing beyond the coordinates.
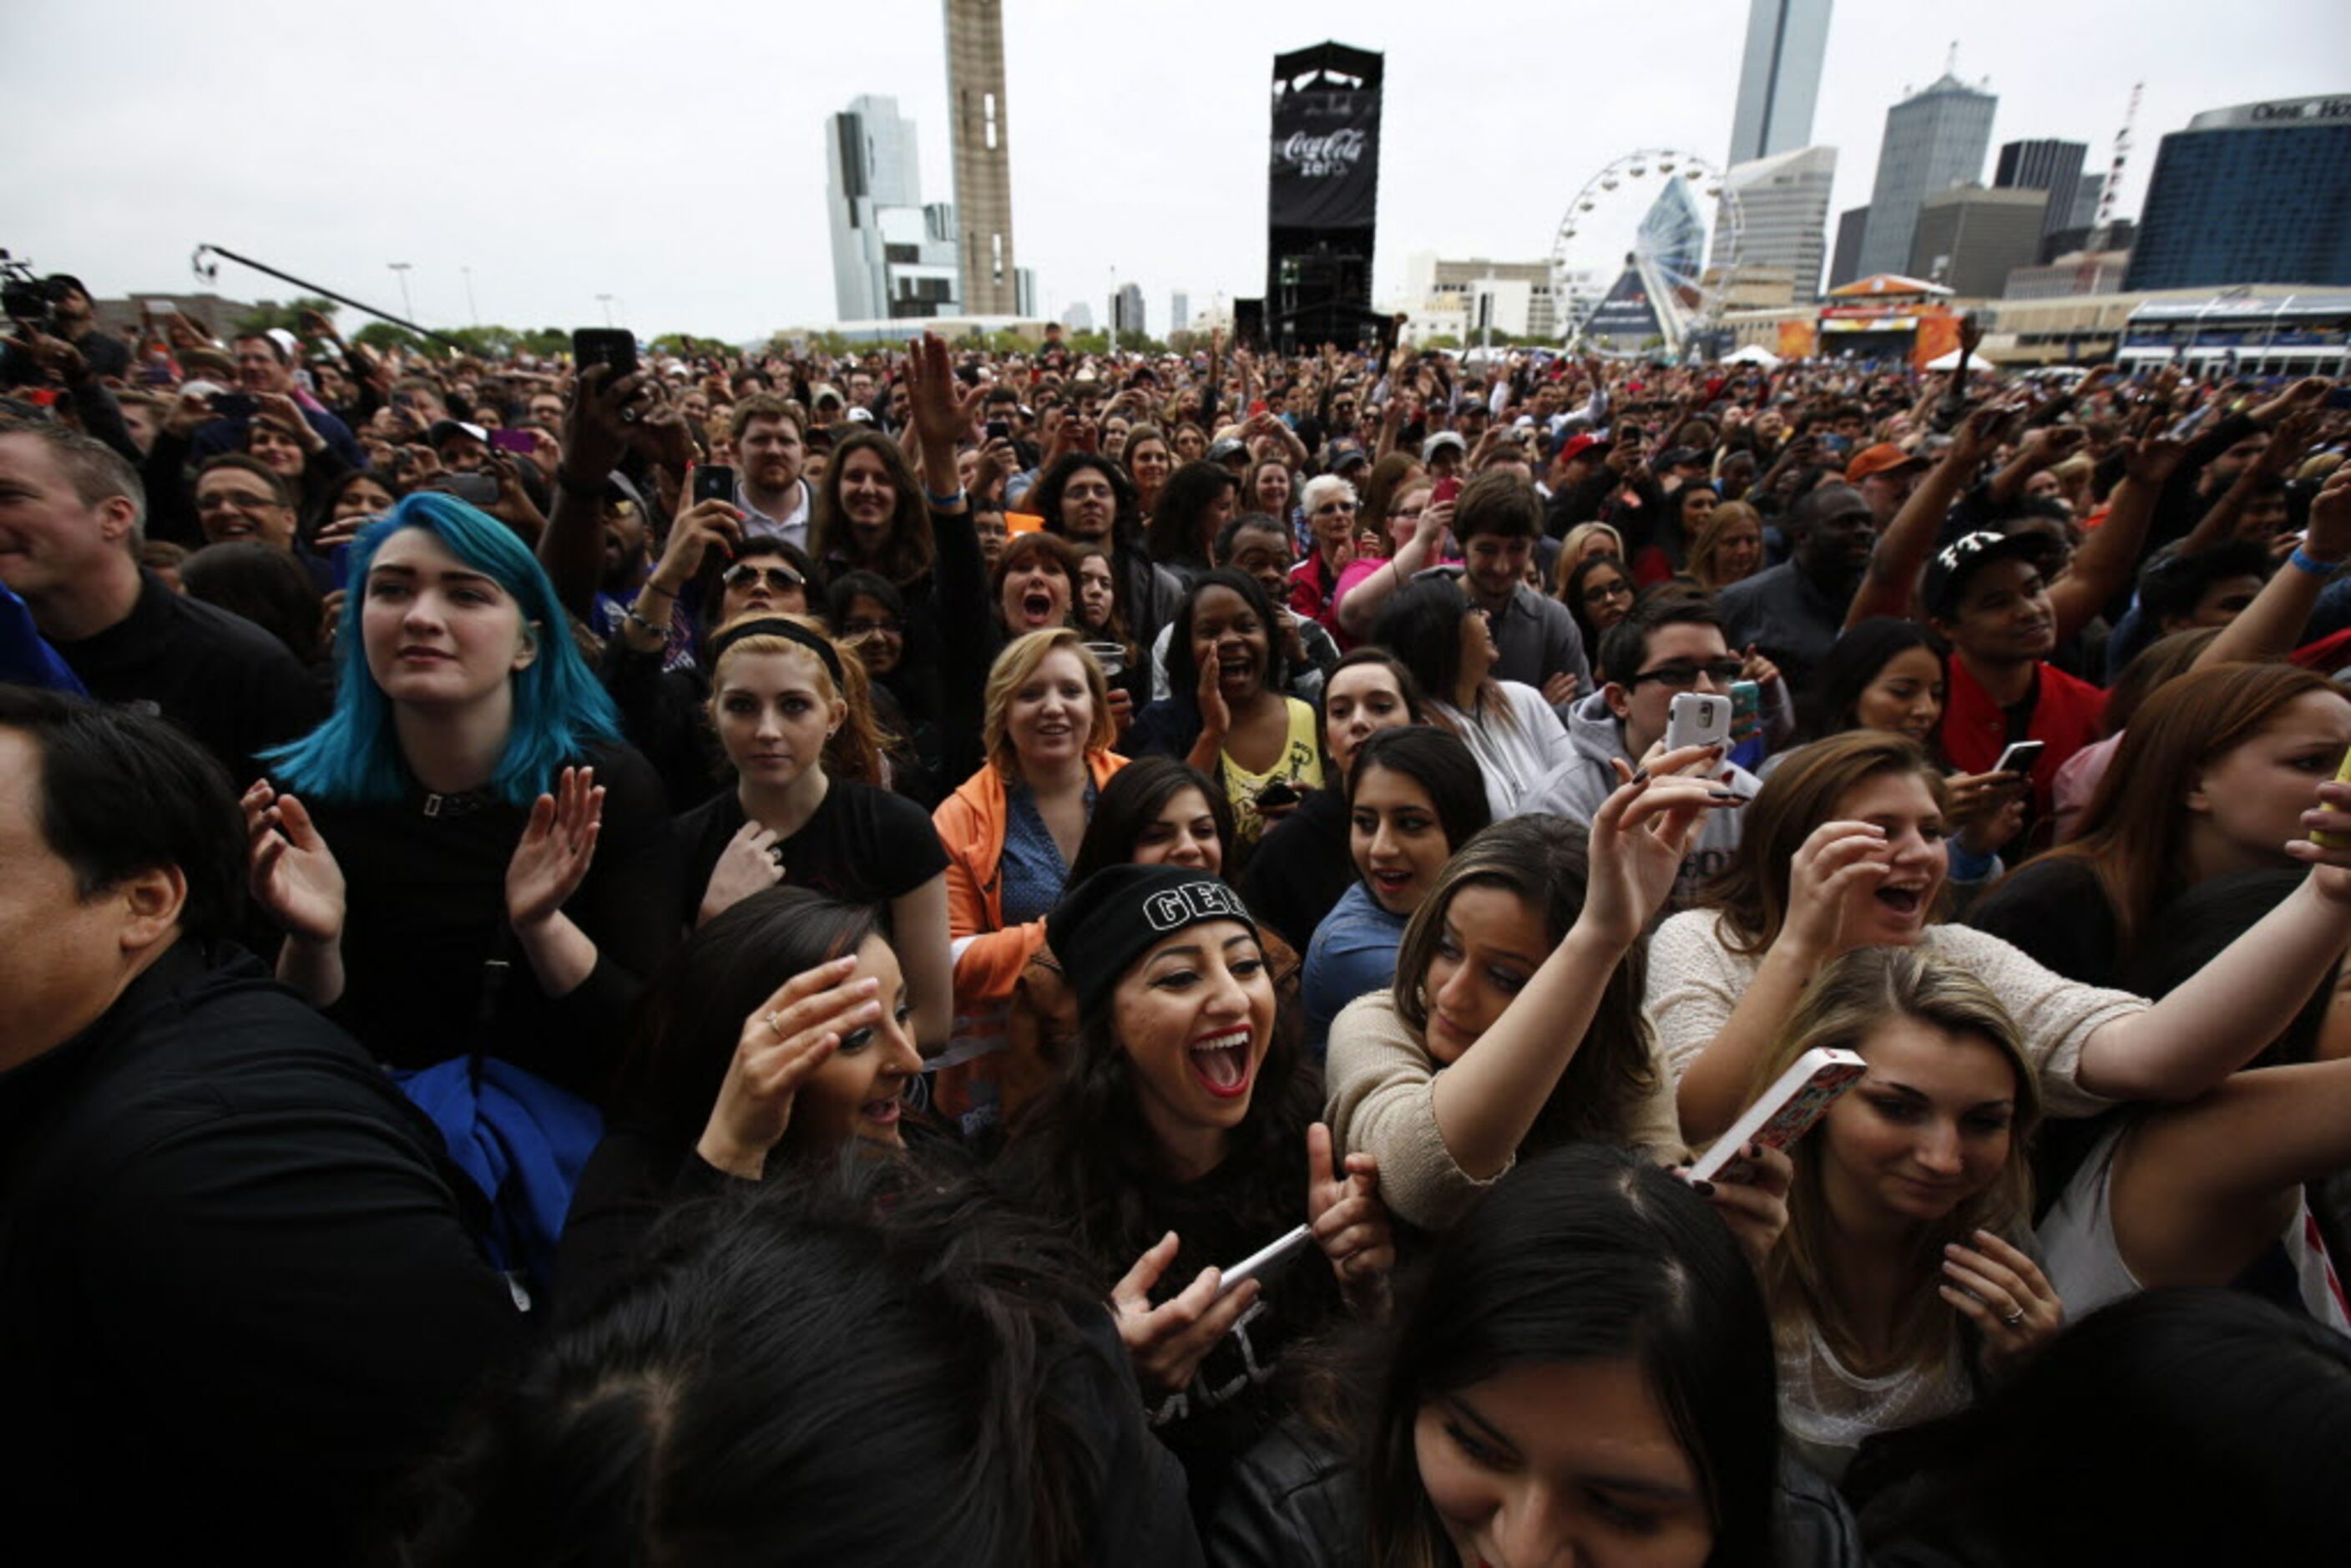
(1830, 701)
(2230, 1410)
(1133, 801)
(1587, 1253)
(1174, 536)
(1421, 625)
(907, 553)
(1184, 670)
(1442, 764)
(1126, 526)
(1546, 862)
(788, 1346)
(690, 1018)
(1574, 596)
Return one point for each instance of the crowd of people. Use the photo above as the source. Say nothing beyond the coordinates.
(931, 955)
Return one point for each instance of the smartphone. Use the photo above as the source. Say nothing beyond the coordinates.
(1746, 710)
(2336, 841)
(1697, 718)
(473, 489)
(1785, 1111)
(713, 482)
(513, 441)
(1264, 1257)
(1446, 489)
(234, 405)
(613, 346)
(2020, 756)
(1000, 430)
(1257, 407)
(1279, 794)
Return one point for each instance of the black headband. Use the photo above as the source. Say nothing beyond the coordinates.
(791, 631)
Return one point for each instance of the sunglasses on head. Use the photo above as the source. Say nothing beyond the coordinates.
(782, 578)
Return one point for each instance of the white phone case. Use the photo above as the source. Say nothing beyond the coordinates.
(1786, 1112)
(1697, 718)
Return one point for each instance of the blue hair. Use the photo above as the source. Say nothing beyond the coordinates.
(559, 707)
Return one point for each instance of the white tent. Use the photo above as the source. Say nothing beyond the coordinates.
(1753, 354)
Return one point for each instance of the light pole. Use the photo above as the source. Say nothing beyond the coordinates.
(400, 267)
(473, 311)
(606, 301)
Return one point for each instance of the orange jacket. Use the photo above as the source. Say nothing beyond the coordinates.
(971, 823)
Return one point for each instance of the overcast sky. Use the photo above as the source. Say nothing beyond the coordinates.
(671, 154)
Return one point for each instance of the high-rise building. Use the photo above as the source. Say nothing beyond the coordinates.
(1779, 78)
(1079, 317)
(1935, 139)
(983, 156)
(1968, 239)
(2257, 193)
(1024, 303)
(1783, 210)
(1179, 311)
(1126, 309)
(1844, 261)
(2052, 166)
(892, 256)
(2085, 202)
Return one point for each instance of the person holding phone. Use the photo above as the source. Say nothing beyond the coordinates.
(1179, 1137)
(1228, 716)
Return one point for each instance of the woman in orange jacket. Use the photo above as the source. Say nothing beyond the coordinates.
(1010, 831)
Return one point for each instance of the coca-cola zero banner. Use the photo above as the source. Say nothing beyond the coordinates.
(1326, 159)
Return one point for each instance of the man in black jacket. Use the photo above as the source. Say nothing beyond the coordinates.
(238, 1295)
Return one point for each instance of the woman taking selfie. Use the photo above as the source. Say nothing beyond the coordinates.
(1843, 848)
(1228, 716)
(465, 857)
(1179, 1139)
(779, 701)
(1412, 797)
(1304, 863)
(730, 1074)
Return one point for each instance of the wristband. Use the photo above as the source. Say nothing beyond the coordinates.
(629, 613)
(946, 503)
(2301, 560)
(1966, 865)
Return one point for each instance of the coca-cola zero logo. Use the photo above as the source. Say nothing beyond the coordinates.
(1320, 157)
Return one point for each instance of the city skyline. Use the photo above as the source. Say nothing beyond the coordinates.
(1166, 211)
(1779, 78)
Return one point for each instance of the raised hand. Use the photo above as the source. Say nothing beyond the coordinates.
(558, 843)
(2006, 1296)
(783, 1042)
(289, 869)
(1837, 858)
(1168, 1341)
(705, 526)
(1752, 1196)
(1640, 835)
(1216, 715)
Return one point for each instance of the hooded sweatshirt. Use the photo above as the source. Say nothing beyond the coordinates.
(1578, 786)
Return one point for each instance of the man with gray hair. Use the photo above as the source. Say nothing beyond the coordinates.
(71, 517)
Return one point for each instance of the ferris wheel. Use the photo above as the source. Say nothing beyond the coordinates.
(1637, 263)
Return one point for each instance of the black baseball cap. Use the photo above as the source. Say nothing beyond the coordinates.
(1948, 572)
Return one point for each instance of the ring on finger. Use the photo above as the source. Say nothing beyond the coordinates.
(2015, 1318)
(775, 1020)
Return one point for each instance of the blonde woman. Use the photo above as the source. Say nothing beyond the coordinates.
(1895, 1288)
(786, 702)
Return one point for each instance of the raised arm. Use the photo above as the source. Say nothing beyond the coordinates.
(1900, 554)
(2271, 626)
(1359, 611)
(594, 436)
(2109, 556)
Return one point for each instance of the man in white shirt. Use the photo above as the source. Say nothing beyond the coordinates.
(769, 447)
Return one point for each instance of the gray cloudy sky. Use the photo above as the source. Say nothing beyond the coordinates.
(670, 153)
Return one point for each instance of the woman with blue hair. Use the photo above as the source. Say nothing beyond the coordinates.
(465, 857)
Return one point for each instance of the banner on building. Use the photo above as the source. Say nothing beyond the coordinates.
(1326, 159)
(1627, 317)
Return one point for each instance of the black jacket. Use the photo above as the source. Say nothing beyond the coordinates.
(237, 1294)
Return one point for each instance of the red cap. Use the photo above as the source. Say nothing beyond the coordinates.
(1879, 459)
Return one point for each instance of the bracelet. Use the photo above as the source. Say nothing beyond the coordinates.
(2302, 561)
(629, 613)
(948, 503)
(584, 489)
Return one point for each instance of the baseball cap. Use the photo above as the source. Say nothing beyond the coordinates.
(1230, 446)
(1573, 446)
(1679, 457)
(1438, 442)
(449, 429)
(1948, 572)
(1346, 454)
(1882, 458)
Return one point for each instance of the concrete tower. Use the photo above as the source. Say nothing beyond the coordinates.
(983, 157)
(1779, 78)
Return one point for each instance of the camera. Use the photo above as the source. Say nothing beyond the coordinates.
(23, 295)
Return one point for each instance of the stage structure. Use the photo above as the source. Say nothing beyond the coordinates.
(1323, 199)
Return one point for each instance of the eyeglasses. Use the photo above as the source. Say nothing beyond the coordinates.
(231, 500)
(1601, 592)
(1412, 512)
(872, 628)
(1682, 677)
(781, 579)
(1336, 506)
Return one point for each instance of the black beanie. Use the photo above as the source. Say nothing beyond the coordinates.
(1107, 922)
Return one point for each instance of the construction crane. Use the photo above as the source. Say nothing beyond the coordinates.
(2105, 219)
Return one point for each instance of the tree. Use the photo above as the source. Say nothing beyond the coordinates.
(381, 335)
(269, 315)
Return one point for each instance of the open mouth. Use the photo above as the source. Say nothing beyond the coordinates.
(1390, 884)
(1221, 1063)
(1037, 607)
(1903, 901)
(882, 1112)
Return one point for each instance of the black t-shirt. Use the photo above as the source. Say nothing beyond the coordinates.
(2057, 915)
(862, 844)
(1300, 868)
(218, 676)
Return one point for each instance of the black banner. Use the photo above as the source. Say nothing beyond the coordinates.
(1326, 159)
(1627, 317)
